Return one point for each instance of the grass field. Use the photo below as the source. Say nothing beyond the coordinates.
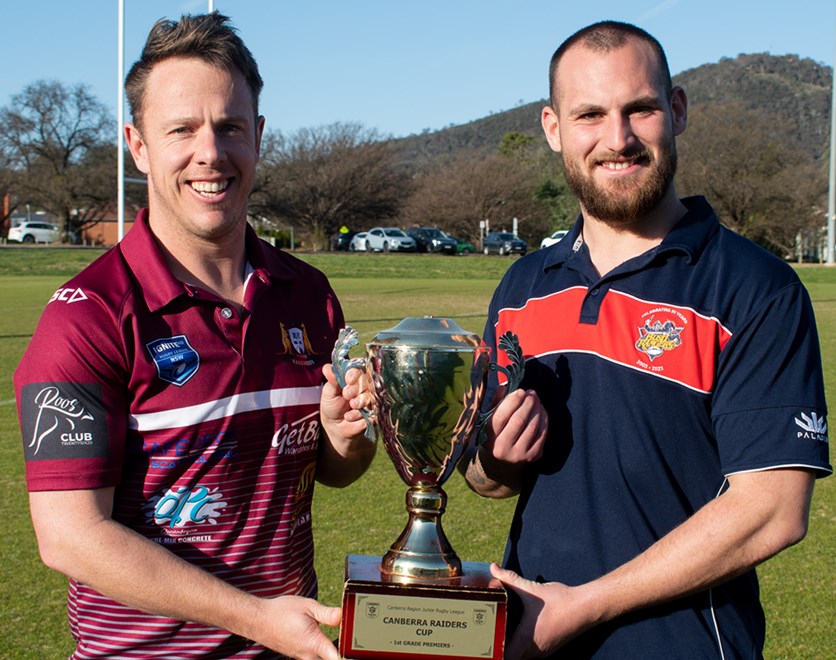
(376, 292)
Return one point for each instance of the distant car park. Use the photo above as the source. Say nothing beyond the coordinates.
(556, 237)
(35, 232)
(358, 242)
(503, 243)
(432, 239)
(389, 239)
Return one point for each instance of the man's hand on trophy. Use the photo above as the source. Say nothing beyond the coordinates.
(346, 448)
(517, 431)
(293, 628)
(515, 438)
(349, 400)
(552, 614)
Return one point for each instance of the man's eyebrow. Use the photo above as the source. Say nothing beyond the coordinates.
(187, 120)
(585, 108)
(650, 100)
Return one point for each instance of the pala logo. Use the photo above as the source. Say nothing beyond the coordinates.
(812, 427)
(656, 337)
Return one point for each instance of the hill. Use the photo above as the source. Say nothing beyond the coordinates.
(798, 89)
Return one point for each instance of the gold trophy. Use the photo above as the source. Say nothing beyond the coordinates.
(429, 378)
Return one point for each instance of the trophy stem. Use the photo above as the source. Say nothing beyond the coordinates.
(422, 550)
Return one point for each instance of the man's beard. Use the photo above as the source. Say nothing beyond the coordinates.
(623, 202)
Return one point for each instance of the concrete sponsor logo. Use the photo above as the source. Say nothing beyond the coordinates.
(63, 420)
(175, 359)
(186, 507)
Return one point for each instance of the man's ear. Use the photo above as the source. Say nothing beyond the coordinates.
(551, 127)
(259, 133)
(136, 144)
(679, 110)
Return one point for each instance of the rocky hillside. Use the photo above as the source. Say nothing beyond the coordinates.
(794, 88)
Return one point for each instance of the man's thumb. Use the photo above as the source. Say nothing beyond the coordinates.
(327, 616)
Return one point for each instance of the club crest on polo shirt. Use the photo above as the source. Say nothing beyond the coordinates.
(657, 336)
(175, 359)
(296, 344)
(63, 420)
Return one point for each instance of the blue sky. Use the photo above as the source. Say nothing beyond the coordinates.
(398, 66)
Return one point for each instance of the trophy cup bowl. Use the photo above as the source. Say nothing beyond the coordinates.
(429, 378)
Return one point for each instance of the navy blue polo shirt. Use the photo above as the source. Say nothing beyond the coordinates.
(693, 361)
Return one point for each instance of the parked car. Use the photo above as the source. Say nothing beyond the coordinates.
(556, 237)
(389, 239)
(502, 243)
(35, 232)
(341, 240)
(463, 247)
(432, 239)
(358, 242)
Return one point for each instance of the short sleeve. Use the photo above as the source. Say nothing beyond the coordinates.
(70, 389)
(768, 406)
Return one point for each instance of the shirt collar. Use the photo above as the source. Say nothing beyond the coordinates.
(690, 235)
(160, 287)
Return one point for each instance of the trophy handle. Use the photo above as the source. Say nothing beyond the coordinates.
(510, 343)
(341, 364)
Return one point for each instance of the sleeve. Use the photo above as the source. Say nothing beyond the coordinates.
(70, 388)
(769, 408)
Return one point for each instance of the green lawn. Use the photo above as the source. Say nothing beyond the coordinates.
(376, 291)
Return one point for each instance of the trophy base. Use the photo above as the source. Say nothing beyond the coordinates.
(385, 616)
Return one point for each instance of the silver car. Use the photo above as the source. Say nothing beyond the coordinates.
(556, 237)
(35, 232)
(389, 239)
(358, 242)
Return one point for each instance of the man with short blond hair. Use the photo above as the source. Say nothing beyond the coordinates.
(172, 434)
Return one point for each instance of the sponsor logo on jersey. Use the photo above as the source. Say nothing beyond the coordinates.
(812, 427)
(296, 344)
(302, 512)
(656, 337)
(68, 295)
(298, 436)
(175, 359)
(170, 454)
(63, 420)
(182, 508)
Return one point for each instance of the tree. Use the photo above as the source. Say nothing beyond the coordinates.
(550, 187)
(747, 164)
(321, 179)
(515, 144)
(56, 139)
(458, 195)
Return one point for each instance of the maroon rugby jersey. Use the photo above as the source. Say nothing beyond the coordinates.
(205, 420)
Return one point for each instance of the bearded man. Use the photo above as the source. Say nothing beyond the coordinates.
(679, 369)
